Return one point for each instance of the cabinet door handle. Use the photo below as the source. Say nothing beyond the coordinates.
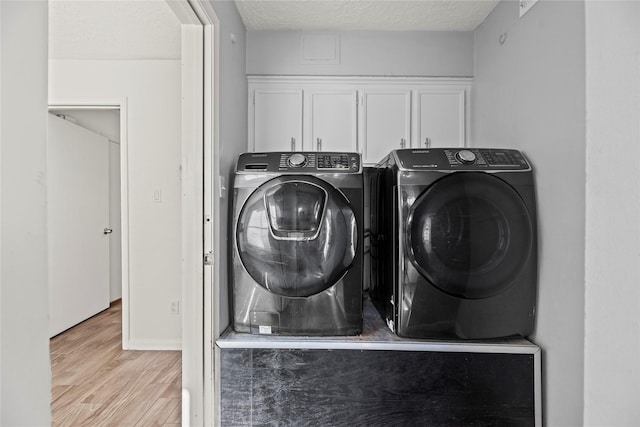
(427, 142)
(319, 141)
(293, 144)
(402, 143)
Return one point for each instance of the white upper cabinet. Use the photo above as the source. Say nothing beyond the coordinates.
(275, 120)
(370, 115)
(385, 122)
(330, 120)
(439, 118)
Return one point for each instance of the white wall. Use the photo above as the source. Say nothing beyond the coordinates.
(366, 53)
(612, 264)
(232, 134)
(529, 94)
(25, 379)
(153, 93)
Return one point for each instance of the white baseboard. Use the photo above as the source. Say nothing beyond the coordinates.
(154, 345)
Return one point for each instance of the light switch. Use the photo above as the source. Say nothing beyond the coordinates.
(157, 196)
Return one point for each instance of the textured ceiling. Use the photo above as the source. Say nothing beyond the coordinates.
(113, 29)
(373, 15)
(149, 29)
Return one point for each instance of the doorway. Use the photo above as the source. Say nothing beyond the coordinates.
(84, 212)
(199, 28)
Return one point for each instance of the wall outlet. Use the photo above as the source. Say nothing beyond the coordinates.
(525, 5)
(174, 307)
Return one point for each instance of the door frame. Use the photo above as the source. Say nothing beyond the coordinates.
(121, 105)
(200, 207)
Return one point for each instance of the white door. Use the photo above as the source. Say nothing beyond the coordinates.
(331, 120)
(78, 213)
(115, 238)
(386, 123)
(277, 120)
(440, 118)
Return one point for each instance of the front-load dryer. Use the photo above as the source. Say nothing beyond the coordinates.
(297, 243)
(454, 243)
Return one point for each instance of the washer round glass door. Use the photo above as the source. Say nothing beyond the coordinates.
(296, 235)
(469, 234)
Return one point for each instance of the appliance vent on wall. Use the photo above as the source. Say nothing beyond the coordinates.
(525, 5)
(321, 48)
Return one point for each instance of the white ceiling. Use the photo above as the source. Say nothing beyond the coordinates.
(113, 29)
(148, 29)
(373, 15)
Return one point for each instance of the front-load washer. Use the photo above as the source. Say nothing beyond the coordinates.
(454, 243)
(296, 243)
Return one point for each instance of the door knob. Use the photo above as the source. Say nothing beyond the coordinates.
(107, 231)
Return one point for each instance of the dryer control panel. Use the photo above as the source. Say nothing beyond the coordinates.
(300, 162)
(462, 159)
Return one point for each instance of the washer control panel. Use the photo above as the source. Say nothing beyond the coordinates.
(328, 161)
(302, 162)
(462, 159)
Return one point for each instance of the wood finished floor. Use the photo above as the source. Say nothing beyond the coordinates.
(96, 383)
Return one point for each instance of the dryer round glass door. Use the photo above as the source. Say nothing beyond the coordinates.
(469, 234)
(296, 235)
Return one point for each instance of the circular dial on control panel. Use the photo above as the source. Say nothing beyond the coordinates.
(297, 160)
(466, 156)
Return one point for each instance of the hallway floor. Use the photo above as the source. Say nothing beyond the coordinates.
(96, 383)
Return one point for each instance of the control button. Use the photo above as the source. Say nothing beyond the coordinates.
(297, 160)
(466, 156)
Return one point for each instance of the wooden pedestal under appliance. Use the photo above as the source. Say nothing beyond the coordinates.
(376, 379)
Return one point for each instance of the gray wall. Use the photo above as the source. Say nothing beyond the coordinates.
(366, 53)
(529, 93)
(612, 264)
(25, 379)
(232, 130)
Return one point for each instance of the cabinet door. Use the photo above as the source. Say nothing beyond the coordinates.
(331, 120)
(440, 118)
(276, 119)
(385, 124)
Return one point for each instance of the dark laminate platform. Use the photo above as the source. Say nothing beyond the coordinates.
(376, 379)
